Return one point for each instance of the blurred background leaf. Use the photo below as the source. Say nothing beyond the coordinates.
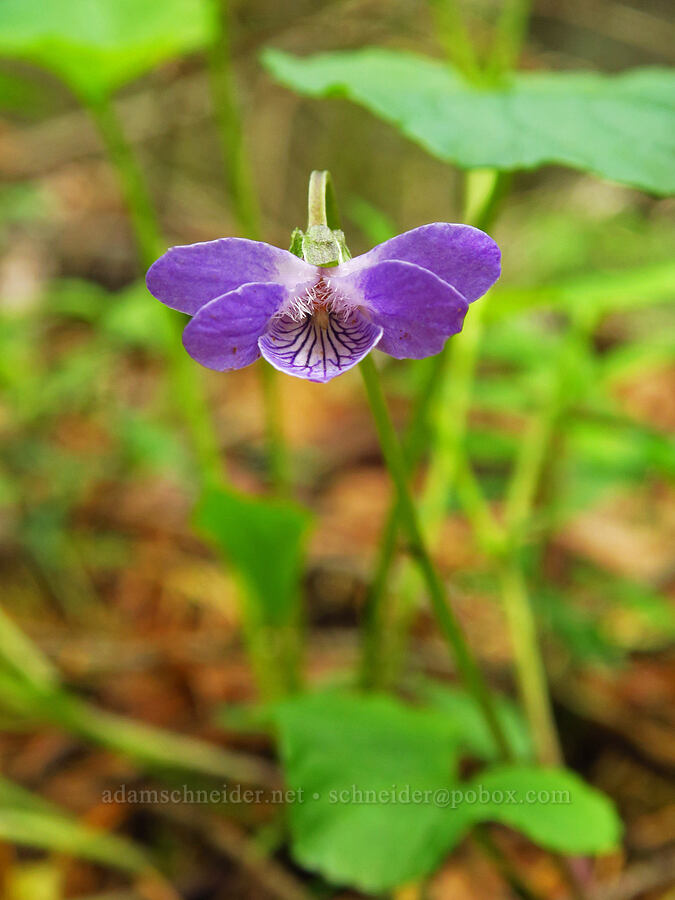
(583, 120)
(97, 47)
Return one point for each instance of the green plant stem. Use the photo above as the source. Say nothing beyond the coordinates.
(510, 34)
(454, 37)
(235, 159)
(186, 390)
(450, 421)
(152, 746)
(504, 542)
(529, 664)
(322, 206)
(274, 432)
(240, 186)
(374, 609)
(450, 628)
(520, 499)
(448, 406)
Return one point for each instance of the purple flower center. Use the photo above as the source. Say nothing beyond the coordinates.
(318, 334)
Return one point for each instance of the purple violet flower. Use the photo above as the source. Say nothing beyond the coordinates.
(405, 296)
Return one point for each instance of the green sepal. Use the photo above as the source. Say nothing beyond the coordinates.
(321, 246)
(296, 242)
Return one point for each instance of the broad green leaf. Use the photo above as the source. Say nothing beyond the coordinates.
(619, 127)
(96, 46)
(377, 800)
(356, 764)
(264, 540)
(555, 808)
(464, 716)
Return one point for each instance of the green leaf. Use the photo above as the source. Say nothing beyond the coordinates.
(96, 46)
(332, 743)
(464, 715)
(264, 540)
(377, 801)
(553, 807)
(618, 127)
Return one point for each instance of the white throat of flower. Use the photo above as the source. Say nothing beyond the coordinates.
(319, 300)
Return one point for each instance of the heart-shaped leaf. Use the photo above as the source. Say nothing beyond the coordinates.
(365, 770)
(554, 807)
(616, 126)
(377, 800)
(96, 46)
(264, 540)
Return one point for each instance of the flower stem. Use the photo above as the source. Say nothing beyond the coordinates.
(510, 33)
(322, 206)
(450, 628)
(454, 37)
(276, 445)
(447, 405)
(374, 612)
(520, 498)
(187, 391)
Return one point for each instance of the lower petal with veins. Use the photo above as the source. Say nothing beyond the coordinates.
(320, 346)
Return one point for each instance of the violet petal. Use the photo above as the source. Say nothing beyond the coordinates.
(416, 309)
(224, 333)
(320, 346)
(187, 277)
(464, 256)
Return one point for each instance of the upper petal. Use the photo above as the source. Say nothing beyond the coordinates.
(319, 346)
(464, 256)
(187, 277)
(224, 333)
(416, 310)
